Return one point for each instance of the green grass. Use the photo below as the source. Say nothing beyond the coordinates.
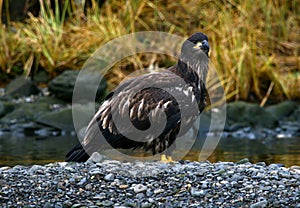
(255, 44)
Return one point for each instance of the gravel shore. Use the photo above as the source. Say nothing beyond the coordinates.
(150, 184)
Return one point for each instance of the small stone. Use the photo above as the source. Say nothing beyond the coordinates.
(295, 169)
(100, 196)
(48, 205)
(139, 188)
(158, 191)
(81, 182)
(95, 171)
(88, 186)
(261, 164)
(274, 166)
(146, 205)
(243, 161)
(196, 192)
(107, 203)
(70, 169)
(140, 195)
(123, 186)
(36, 169)
(259, 204)
(96, 157)
(109, 177)
(204, 184)
(4, 168)
(76, 205)
(151, 200)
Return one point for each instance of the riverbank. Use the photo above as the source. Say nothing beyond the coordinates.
(151, 184)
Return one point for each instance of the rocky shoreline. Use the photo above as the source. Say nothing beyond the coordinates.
(150, 184)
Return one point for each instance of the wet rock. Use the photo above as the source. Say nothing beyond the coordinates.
(249, 114)
(25, 112)
(50, 101)
(62, 119)
(63, 85)
(32, 128)
(41, 77)
(295, 116)
(21, 87)
(282, 110)
(5, 108)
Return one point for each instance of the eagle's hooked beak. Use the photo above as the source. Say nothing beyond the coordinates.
(204, 46)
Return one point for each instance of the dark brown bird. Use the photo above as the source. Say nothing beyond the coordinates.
(171, 99)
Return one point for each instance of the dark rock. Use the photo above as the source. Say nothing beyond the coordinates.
(63, 85)
(283, 109)
(20, 87)
(25, 112)
(31, 128)
(295, 116)
(63, 120)
(249, 114)
(41, 76)
(5, 108)
(234, 126)
(50, 100)
(18, 10)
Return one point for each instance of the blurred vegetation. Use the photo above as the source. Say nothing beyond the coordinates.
(255, 44)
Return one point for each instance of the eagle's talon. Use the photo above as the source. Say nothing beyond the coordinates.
(165, 158)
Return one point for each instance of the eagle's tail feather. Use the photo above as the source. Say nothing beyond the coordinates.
(77, 154)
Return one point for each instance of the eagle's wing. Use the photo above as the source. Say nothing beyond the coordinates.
(140, 98)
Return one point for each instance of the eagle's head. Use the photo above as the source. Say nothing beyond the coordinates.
(194, 56)
(200, 42)
(196, 43)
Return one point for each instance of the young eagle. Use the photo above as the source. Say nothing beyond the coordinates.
(173, 92)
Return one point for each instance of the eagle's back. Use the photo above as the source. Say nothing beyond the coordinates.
(143, 97)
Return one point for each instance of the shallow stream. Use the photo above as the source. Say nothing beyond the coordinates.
(21, 150)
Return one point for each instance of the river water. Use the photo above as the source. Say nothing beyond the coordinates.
(21, 150)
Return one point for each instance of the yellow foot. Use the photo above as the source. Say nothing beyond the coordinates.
(165, 158)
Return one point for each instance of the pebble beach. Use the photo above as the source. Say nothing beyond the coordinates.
(150, 184)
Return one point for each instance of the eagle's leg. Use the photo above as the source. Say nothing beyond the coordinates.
(167, 156)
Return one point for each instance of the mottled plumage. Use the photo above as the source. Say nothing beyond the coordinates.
(148, 99)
